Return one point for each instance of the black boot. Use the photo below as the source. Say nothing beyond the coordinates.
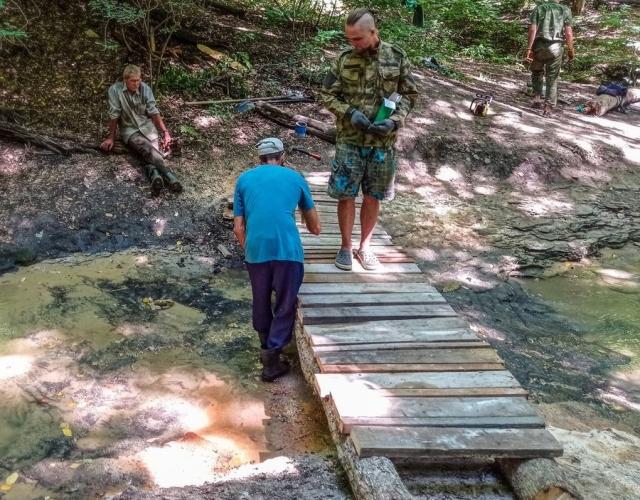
(155, 178)
(272, 365)
(172, 181)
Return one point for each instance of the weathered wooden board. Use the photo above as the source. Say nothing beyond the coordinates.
(328, 229)
(446, 442)
(383, 269)
(382, 258)
(351, 277)
(314, 315)
(347, 288)
(400, 346)
(448, 329)
(361, 299)
(326, 383)
(417, 367)
(372, 405)
(492, 412)
(417, 355)
(334, 241)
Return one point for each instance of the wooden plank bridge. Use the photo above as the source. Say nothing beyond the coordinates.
(399, 372)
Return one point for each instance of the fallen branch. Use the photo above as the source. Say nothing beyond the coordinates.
(602, 104)
(322, 130)
(21, 134)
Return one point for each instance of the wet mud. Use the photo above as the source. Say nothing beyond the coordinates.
(140, 371)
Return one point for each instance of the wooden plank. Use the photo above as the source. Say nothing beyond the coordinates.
(399, 346)
(382, 258)
(334, 241)
(475, 392)
(328, 229)
(448, 329)
(418, 355)
(326, 383)
(319, 300)
(493, 422)
(370, 405)
(384, 269)
(370, 409)
(348, 277)
(439, 442)
(314, 315)
(338, 288)
(418, 367)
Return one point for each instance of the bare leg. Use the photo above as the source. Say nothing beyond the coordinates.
(368, 219)
(346, 217)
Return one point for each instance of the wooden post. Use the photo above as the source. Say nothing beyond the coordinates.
(373, 478)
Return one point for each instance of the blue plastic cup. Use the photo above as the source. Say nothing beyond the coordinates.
(300, 129)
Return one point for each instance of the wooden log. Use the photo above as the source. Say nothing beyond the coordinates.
(539, 479)
(314, 127)
(22, 134)
(372, 478)
(602, 104)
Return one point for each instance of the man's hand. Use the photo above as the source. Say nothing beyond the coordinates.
(239, 230)
(385, 127)
(528, 58)
(107, 145)
(166, 141)
(571, 53)
(359, 120)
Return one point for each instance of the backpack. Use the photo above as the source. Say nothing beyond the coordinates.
(612, 89)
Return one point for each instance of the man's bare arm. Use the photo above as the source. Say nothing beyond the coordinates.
(568, 38)
(107, 144)
(239, 229)
(159, 123)
(312, 221)
(533, 31)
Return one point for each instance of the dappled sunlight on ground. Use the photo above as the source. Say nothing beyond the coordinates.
(104, 364)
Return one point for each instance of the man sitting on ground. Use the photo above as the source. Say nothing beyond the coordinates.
(265, 201)
(133, 111)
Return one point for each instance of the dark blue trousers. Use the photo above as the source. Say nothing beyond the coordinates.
(275, 321)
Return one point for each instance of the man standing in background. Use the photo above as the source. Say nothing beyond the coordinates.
(549, 28)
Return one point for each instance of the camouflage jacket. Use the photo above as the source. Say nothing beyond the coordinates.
(551, 19)
(361, 81)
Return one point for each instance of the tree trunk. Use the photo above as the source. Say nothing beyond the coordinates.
(538, 479)
(602, 104)
(577, 6)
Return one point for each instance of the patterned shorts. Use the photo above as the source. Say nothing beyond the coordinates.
(353, 166)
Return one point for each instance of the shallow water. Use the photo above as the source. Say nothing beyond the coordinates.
(603, 296)
(137, 368)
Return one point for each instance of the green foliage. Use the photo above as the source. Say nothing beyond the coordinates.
(178, 79)
(8, 32)
(115, 10)
(617, 18)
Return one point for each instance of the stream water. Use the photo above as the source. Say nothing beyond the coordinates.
(136, 368)
(603, 297)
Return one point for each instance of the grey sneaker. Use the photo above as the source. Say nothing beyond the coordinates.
(344, 259)
(368, 259)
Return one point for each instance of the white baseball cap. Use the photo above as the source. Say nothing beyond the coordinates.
(269, 146)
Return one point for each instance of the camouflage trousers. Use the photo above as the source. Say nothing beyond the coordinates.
(546, 64)
(148, 151)
(372, 168)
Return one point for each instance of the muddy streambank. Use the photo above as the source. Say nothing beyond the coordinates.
(139, 370)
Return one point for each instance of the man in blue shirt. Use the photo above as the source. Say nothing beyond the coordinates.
(264, 205)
